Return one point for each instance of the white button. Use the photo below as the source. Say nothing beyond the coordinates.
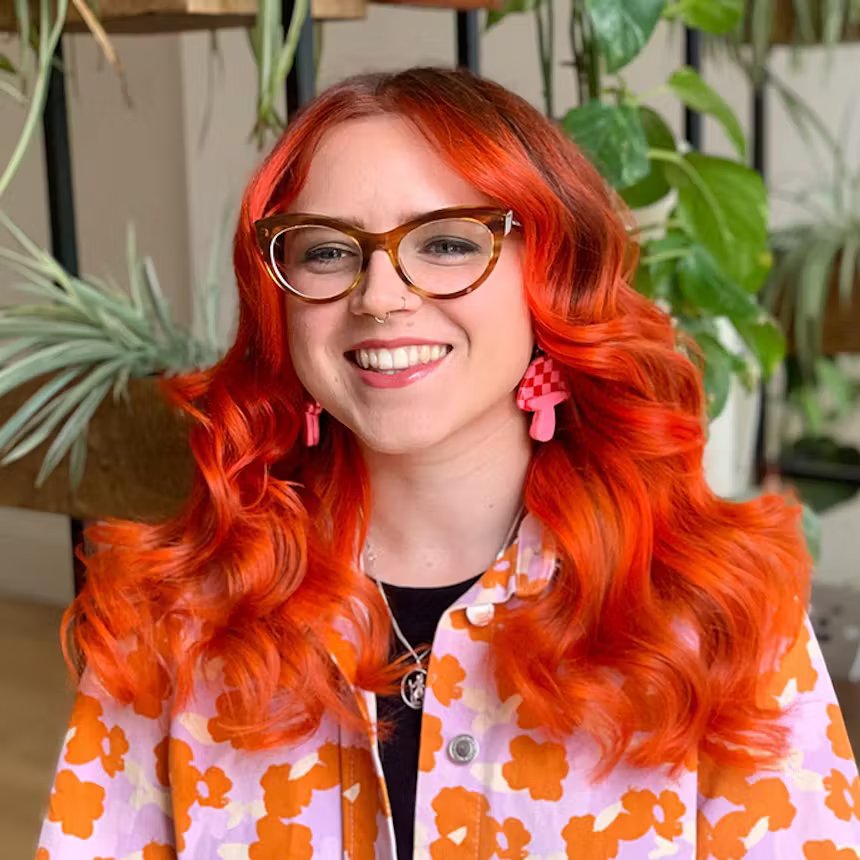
(462, 749)
(480, 614)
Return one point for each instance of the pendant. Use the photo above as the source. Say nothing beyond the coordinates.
(412, 688)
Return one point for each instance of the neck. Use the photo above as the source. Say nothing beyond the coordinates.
(442, 515)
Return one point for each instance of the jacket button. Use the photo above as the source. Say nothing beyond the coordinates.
(462, 749)
(480, 614)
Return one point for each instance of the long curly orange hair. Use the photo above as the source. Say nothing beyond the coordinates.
(263, 553)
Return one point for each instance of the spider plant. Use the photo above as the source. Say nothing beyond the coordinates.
(49, 32)
(273, 54)
(91, 338)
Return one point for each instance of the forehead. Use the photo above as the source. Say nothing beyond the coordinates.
(378, 172)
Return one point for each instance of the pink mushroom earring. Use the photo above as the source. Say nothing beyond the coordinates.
(312, 423)
(541, 390)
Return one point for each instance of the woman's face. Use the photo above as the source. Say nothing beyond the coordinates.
(377, 173)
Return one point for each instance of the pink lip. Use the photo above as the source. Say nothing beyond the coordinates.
(393, 344)
(400, 379)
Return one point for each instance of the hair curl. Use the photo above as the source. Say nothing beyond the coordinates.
(262, 553)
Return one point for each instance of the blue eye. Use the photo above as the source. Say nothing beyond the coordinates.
(445, 246)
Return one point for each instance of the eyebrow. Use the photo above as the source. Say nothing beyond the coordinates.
(404, 217)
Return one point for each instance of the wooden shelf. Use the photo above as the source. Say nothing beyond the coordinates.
(139, 464)
(785, 25)
(170, 16)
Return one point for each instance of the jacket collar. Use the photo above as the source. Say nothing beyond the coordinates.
(525, 569)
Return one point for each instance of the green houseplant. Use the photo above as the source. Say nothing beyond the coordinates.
(814, 289)
(711, 256)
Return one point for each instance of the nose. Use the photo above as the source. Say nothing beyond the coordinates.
(381, 288)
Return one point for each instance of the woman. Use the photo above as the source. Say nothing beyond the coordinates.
(450, 582)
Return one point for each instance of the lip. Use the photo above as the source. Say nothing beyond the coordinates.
(394, 343)
(400, 379)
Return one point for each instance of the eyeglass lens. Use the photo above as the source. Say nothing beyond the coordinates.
(442, 257)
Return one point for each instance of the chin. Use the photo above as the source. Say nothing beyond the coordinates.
(402, 439)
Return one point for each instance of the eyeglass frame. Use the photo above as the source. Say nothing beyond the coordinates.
(500, 222)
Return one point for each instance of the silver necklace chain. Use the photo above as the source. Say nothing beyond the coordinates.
(412, 688)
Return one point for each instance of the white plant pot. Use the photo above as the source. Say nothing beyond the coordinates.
(728, 456)
(651, 220)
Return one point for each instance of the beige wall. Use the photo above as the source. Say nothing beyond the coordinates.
(173, 162)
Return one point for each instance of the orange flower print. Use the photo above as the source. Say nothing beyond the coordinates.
(538, 767)
(360, 803)
(466, 829)
(769, 798)
(42, 854)
(143, 666)
(826, 850)
(515, 837)
(582, 840)
(837, 734)
(431, 741)
(342, 651)
(499, 575)
(76, 805)
(842, 797)
(287, 789)
(175, 767)
(765, 802)
(459, 621)
(723, 840)
(526, 717)
(226, 704)
(92, 739)
(643, 810)
(157, 851)
(795, 664)
(446, 675)
(277, 840)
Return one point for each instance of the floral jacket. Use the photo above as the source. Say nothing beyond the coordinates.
(145, 786)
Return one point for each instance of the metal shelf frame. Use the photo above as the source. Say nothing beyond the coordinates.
(300, 88)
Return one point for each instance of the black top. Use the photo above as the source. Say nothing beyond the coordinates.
(417, 611)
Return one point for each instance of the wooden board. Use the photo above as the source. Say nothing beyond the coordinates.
(139, 464)
(168, 16)
(784, 30)
(461, 5)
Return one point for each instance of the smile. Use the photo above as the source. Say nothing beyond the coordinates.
(382, 368)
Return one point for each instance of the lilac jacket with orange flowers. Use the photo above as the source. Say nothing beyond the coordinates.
(134, 786)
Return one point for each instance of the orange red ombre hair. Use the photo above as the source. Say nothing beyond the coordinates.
(262, 554)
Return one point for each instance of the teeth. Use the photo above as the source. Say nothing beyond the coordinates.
(399, 358)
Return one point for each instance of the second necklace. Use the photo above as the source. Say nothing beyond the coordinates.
(414, 683)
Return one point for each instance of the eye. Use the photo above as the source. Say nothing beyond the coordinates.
(327, 253)
(449, 246)
(329, 259)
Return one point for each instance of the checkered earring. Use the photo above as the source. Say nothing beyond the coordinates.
(541, 389)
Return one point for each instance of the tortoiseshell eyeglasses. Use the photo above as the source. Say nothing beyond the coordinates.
(441, 255)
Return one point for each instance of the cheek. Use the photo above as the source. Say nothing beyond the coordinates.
(505, 307)
(306, 333)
